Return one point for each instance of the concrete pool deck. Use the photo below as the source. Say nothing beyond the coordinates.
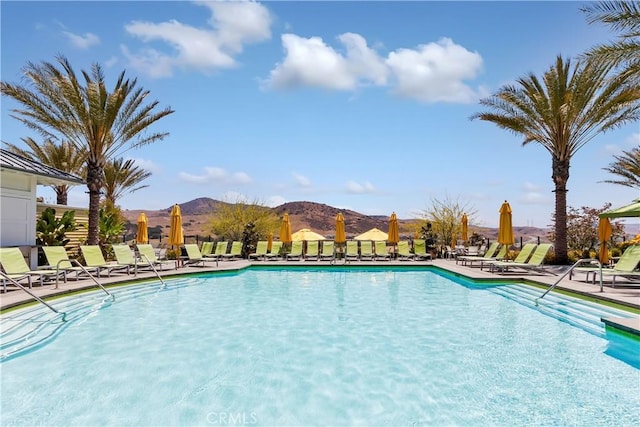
(624, 293)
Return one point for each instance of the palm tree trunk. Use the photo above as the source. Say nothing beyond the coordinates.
(560, 178)
(61, 194)
(94, 183)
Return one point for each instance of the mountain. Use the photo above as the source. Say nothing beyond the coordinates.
(316, 216)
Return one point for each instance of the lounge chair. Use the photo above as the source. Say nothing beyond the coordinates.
(261, 250)
(312, 250)
(296, 251)
(420, 250)
(366, 250)
(534, 263)
(221, 250)
(352, 251)
(276, 247)
(490, 253)
(148, 254)
(484, 260)
(58, 259)
(195, 257)
(17, 269)
(625, 267)
(235, 253)
(328, 250)
(404, 252)
(93, 258)
(381, 251)
(207, 248)
(522, 256)
(124, 256)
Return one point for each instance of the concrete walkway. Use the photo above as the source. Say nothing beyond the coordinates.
(624, 293)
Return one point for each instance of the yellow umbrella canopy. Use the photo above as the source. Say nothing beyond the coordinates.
(373, 234)
(142, 235)
(465, 227)
(394, 232)
(604, 234)
(306, 234)
(176, 236)
(505, 230)
(285, 229)
(341, 235)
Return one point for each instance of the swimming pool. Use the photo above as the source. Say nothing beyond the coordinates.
(323, 347)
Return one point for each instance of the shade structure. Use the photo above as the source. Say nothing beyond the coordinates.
(269, 241)
(604, 234)
(373, 234)
(394, 231)
(142, 234)
(306, 234)
(505, 230)
(628, 211)
(465, 228)
(341, 235)
(176, 236)
(285, 229)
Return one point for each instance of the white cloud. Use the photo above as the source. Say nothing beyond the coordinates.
(301, 180)
(311, 62)
(274, 201)
(231, 26)
(533, 198)
(633, 141)
(530, 187)
(147, 165)
(82, 41)
(215, 175)
(111, 61)
(435, 72)
(358, 188)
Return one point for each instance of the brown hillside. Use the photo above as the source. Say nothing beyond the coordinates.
(316, 216)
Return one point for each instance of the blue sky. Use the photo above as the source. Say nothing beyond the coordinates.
(359, 105)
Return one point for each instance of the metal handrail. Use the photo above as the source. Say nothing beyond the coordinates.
(580, 261)
(85, 271)
(33, 295)
(152, 267)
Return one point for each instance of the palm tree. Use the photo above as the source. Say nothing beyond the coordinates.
(563, 112)
(627, 168)
(85, 113)
(63, 156)
(624, 17)
(122, 177)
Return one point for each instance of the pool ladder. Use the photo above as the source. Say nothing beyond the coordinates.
(577, 263)
(153, 268)
(36, 297)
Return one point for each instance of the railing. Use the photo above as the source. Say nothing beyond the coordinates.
(143, 256)
(14, 282)
(577, 263)
(85, 271)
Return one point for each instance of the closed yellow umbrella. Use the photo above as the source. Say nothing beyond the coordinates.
(465, 228)
(604, 234)
(269, 241)
(176, 236)
(341, 235)
(142, 235)
(394, 232)
(505, 230)
(285, 229)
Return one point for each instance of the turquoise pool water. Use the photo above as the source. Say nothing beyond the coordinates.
(295, 347)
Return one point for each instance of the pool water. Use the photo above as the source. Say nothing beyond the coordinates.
(323, 347)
